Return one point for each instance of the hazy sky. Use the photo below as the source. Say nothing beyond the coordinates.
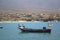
(29, 4)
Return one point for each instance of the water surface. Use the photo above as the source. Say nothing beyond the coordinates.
(10, 31)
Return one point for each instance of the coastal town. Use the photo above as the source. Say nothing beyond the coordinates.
(30, 16)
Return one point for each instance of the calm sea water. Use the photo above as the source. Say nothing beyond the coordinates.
(10, 31)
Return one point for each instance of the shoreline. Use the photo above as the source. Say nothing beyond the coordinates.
(22, 21)
(17, 21)
(11, 21)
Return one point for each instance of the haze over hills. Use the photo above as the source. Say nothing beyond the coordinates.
(30, 5)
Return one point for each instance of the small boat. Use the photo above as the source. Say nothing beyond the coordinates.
(44, 30)
(1, 27)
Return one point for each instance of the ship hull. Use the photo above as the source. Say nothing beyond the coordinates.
(36, 30)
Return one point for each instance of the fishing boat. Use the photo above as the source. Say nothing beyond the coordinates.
(44, 30)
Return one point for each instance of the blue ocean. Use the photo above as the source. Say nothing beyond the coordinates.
(10, 31)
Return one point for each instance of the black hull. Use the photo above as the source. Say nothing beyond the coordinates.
(36, 30)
